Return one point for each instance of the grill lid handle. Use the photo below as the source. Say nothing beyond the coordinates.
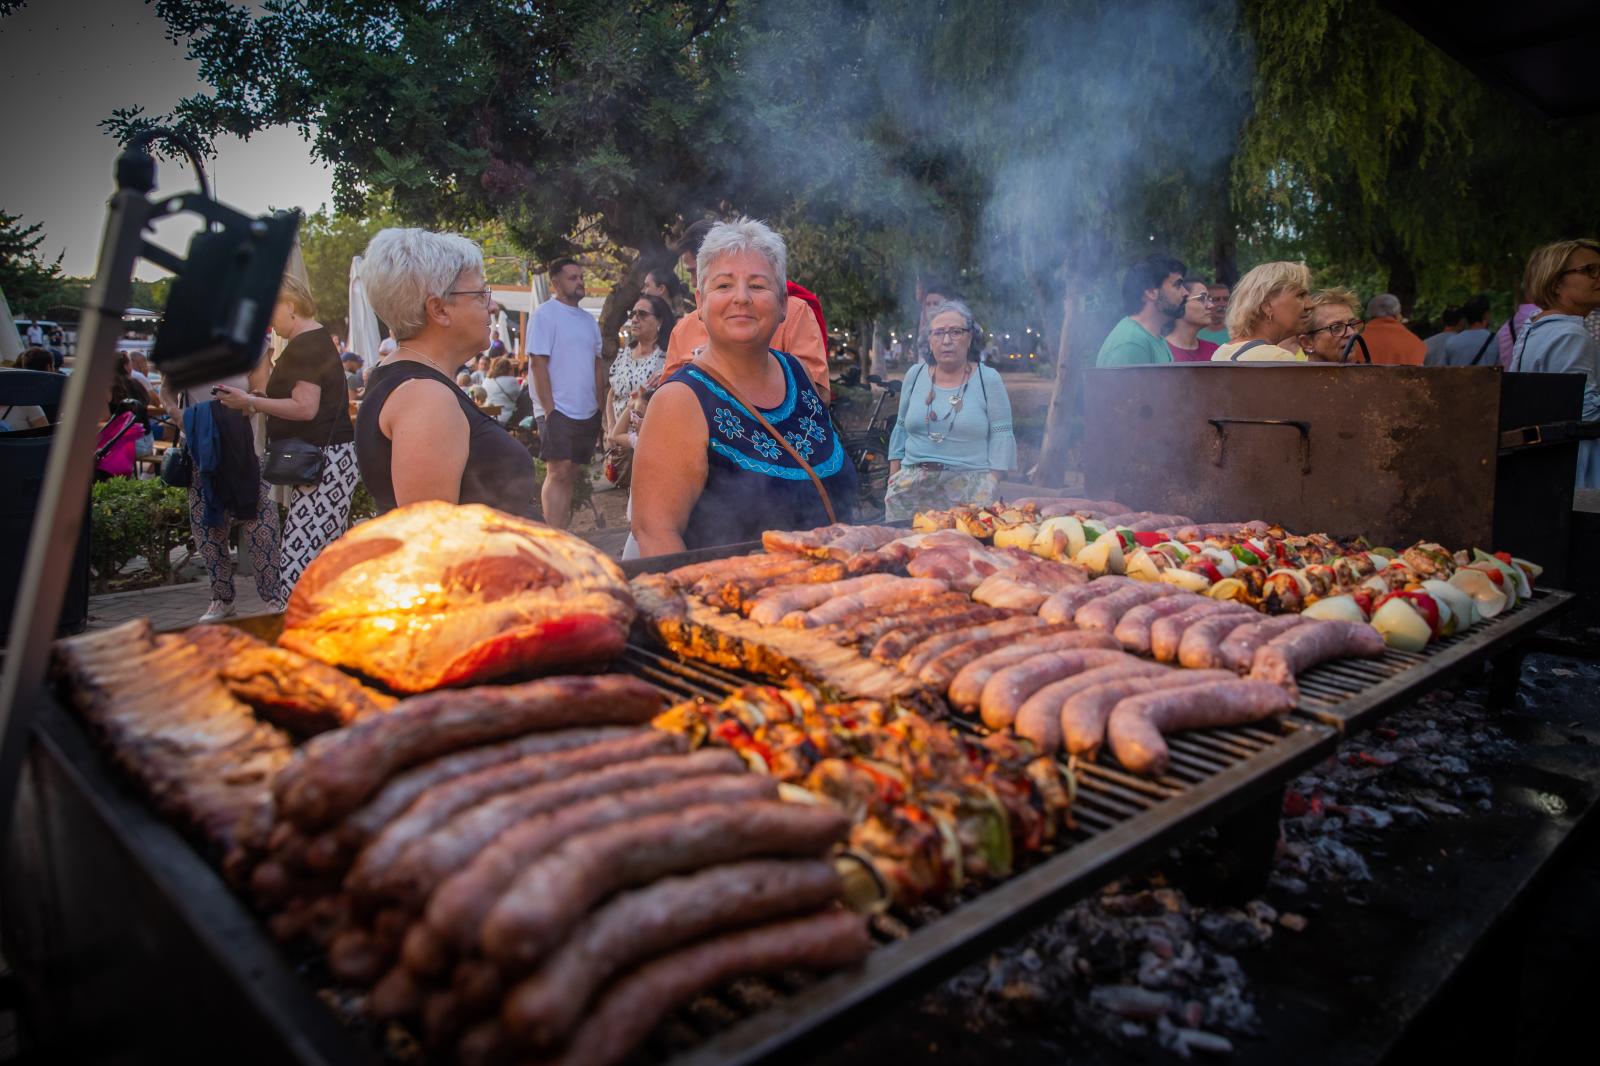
(1221, 426)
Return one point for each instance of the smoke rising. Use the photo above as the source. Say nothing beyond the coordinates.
(1022, 143)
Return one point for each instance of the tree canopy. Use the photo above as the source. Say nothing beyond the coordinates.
(1016, 148)
(31, 283)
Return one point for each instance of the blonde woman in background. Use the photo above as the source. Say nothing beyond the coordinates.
(1563, 278)
(1267, 308)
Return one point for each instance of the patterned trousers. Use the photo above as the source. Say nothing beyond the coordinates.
(318, 514)
(258, 537)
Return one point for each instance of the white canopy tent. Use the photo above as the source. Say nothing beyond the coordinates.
(364, 331)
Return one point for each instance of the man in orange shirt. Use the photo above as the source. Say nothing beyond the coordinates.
(1387, 339)
(798, 333)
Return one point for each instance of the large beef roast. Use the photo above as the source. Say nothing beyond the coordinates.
(435, 594)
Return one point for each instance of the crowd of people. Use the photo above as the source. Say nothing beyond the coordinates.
(714, 416)
(1273, 315)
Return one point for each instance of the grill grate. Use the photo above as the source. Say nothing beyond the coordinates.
(1121, 820)
(1353, 693)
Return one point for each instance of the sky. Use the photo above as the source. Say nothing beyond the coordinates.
(70, 63)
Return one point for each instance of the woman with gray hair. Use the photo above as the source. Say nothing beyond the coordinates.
(737, 441)
(953, 439)
(418, 435)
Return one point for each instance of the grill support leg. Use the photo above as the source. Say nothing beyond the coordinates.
(1232, 865)
(1505, 674)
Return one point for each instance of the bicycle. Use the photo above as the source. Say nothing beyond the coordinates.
(868, 449)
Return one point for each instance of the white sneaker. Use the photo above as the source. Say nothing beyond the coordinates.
(217, 612)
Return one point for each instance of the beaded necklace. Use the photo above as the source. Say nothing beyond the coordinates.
(955, 405)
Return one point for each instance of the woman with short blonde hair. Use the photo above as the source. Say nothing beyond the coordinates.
(1266, 309)
(1563, 278)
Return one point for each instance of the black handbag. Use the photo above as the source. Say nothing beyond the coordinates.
(176, 470)
(292, 462)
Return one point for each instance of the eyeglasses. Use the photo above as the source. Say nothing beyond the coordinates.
(481, 295)
(1590, 269)
(1339, 329)
(940, 336)
(636, 313)
(1205, 298)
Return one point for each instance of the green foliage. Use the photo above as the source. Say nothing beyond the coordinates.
(1372, 153)
(32, 285)
(362, 505)
(131, 518)
(328, 241)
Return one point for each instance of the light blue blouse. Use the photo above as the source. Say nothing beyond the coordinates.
(979, 437)
(1558, 344)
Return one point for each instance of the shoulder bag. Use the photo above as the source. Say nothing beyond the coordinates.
(294, 461)
(827, 503)
(176, 469)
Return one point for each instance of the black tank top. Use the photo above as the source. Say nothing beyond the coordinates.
(499, 470)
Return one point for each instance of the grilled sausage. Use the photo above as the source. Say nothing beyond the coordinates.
(637, 925)
(551, 895)
(966, 688)
(771, 606)
(867, 628)
(398, 995)
(1238, 648)
(430, 859)
(440, 803)
(459, 905)
(1133, 628)
(336, 772)
(781, 571)
(1138, 722)
(332, 850)
(894, 592)
(626, 1014)
(729, 567)
(1187, 534)
(897, 642)
(1104, 613)
(1200, 647)
(1167, 633)
(1084, 714)
(1303, 647)
(1151, 523)
(1039, 718)
(1063, 606)
(1003, 694)
(916, 661)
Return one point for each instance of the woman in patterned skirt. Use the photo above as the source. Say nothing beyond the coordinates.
(707, 471)
(953, 439)
(306, 398)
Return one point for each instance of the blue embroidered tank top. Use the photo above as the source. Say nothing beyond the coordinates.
(752, 483)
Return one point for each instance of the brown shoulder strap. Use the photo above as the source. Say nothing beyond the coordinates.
(827, 503)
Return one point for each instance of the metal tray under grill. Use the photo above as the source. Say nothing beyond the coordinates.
(1122, 821)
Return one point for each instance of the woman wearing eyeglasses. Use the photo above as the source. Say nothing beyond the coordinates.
(1564, 280)
(1333, 321)
(953, 439)
(635, 367)
(418, 435)
(1184, 340)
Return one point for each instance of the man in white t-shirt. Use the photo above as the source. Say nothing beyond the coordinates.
(564, 342)
(35, 335)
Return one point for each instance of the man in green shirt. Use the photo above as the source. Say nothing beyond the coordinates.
(1153, 294)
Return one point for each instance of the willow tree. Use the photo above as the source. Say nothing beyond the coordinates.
(1372, 150)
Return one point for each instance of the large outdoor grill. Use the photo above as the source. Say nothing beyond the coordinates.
(146, 953)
